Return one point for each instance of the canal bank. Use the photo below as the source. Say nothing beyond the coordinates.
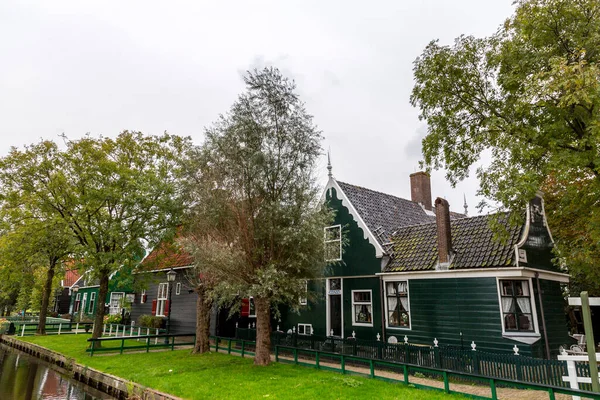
(23, 377)
(111, 385)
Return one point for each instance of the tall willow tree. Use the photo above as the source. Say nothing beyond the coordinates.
(111, 194)
(257, 223)
(530, 94)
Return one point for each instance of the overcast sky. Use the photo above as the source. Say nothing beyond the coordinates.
(74, 67)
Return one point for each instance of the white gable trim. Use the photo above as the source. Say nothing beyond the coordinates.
(503, 272)
(332, 183)
(525, 234)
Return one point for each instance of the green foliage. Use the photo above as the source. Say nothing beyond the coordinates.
(529, 98)
(256, 227)
(112, 319)
(150, 321)
(113, 196)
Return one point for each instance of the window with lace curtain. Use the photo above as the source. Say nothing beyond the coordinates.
(398, 307)
(515, 297)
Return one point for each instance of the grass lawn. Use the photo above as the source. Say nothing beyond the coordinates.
(222, 376)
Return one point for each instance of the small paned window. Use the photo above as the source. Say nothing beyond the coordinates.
(161, 299)
(77, 300)
(252, 308)
(92, 303)
(362, 307)
(305, 329)
(333, 243)
(178, 289)
(517, 314)
(304, 299)
(335, 286)
(398, 307)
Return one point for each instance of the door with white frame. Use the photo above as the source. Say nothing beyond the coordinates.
(335, 318)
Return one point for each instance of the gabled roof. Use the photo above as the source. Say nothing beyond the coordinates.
(414, 248)
(384, 213)
(71, 276)
(166, 255)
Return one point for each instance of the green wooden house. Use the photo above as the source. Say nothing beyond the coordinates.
(84, 294)
(415, 271)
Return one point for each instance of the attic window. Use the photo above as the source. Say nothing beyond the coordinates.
(333, 243)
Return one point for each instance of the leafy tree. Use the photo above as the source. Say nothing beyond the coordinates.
(529, 96)
(112, 194)
(257, 223)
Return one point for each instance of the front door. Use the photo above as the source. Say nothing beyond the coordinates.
(334, 294)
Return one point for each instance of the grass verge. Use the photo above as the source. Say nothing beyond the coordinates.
(221, 376)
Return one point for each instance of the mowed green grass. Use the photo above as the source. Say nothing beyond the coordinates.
(222, 376)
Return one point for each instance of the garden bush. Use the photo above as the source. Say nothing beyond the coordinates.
(150, 321)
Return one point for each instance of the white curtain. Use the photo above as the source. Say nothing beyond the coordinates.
(524, 305)
(507, 303)
(392, 303)
(404, 302)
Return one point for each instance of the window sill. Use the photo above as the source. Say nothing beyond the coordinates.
(400, 328)
(359, 324)
(527, 338)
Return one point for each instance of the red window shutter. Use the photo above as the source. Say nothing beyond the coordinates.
(144, 298)
(154, 307)
(77, 305)
(245, 307)
(166, 312)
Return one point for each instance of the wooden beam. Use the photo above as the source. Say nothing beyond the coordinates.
(576, 301)
(589, 337)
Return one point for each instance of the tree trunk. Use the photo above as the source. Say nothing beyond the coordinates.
(99, 319)
(203, 308)
(263, 331)
(41, 329)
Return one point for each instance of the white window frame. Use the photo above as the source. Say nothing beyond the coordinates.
(142, 301)
(83, 303)
(327, 312)
(251, 307)
(304, 299)
(304, 327)
(370, 303)
(117, 309)
(387, 313)
(326, 241)
(77, 304)
(161, 298)
(536, 331)
(178, 289)
(92, 303)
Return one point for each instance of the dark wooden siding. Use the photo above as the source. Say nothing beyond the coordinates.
(63, 302)
(359, 255)
(556, 320)
(183, 306)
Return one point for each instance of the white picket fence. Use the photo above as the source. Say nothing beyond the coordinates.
(572, 378)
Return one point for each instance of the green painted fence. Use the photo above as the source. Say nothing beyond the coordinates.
(494, 365)
(394, 371)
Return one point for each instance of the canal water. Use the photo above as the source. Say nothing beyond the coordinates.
(23, 377)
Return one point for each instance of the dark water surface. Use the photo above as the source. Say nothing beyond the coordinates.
(23, 377)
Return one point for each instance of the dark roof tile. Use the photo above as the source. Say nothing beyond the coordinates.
(414, 248)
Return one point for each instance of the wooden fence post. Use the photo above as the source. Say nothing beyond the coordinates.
(589, 336)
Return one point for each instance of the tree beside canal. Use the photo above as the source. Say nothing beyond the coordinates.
(256, 198)
(115, 196)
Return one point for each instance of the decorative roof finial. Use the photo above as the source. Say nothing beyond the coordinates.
(466, 206)
(329, 165)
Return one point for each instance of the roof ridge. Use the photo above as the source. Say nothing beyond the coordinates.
(376, 191)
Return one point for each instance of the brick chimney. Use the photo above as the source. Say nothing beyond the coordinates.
(420, 189)
(444, 236)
